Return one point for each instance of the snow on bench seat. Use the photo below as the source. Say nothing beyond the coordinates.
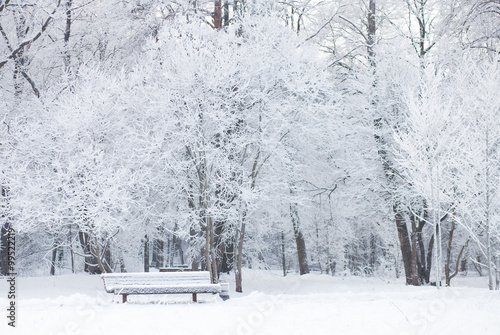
(162, 283)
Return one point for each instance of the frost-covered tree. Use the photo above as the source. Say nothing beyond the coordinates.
(480, 173)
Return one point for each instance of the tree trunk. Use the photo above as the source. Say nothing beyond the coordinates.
(283, 256)
(487, 215)
(429, 259)
(67, 34)
(159, 248)
(90, 263)
(53, 260)
(299, 240)
(4, 233)
(213, 258)
(239, 238)
(193, 249)
(414, 263)
(497, 275)
(404, 242)
(4, 252)
(458, 261)
(225, 21)
(217, 15)
(422, 260)
(72, 253)
(371, 31)
(173, 247)
(123, 268)
(448, 254)
(146, 253)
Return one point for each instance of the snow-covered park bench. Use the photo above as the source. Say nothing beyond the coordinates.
(163, 283)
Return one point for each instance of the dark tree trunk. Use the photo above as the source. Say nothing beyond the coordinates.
(193, 234)
(463, 265)
(53, 260)
(123, 268)
(217, 15)
(414, 265)
(72, 253)
(173, 247)
(226, 14)
(371, 31)
(90, 261)
(226, 254)
(422, 261)
(283, 255)
(238, 240)
(429, 259)
(373, 253)
(299, 240)
(447, 271)
(158, 252)
(4, 233)
(478, 268)
(107, 260)
(181, 252)
(67, 34)
(404, 242)
(146, 253)
(415, 279)
(4, 253)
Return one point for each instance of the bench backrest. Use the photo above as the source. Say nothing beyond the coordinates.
(112, 280)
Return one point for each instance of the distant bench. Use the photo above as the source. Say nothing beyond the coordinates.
(193, 282)
(175, 269)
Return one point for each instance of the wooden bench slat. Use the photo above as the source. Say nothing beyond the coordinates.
(167, 290)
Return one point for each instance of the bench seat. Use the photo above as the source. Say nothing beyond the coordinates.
(163, 283)
(173, 289)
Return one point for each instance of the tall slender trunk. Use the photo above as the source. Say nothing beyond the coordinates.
(497, 275)
(487, 212)
(283, 255)
(430, 249)
(239, 238)
(414, 257)
(67, 34)
(4, 253)
(447, 271)
(72, 252)
(240, 233)
(299, 240)
(213, 257)
(159, 251)
(422, 260)
(371, 31)
(53, 259)
(146, 253)
(193, 250)
(488, 251)
(173, 246)
(4, 230)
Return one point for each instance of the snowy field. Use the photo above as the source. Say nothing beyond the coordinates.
(311, 304)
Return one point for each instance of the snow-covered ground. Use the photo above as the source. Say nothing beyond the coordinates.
(271, 304)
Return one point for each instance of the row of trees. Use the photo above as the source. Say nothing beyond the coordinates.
(353, 137)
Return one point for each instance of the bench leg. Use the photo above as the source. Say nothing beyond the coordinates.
(195, 298)
(124, 298)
